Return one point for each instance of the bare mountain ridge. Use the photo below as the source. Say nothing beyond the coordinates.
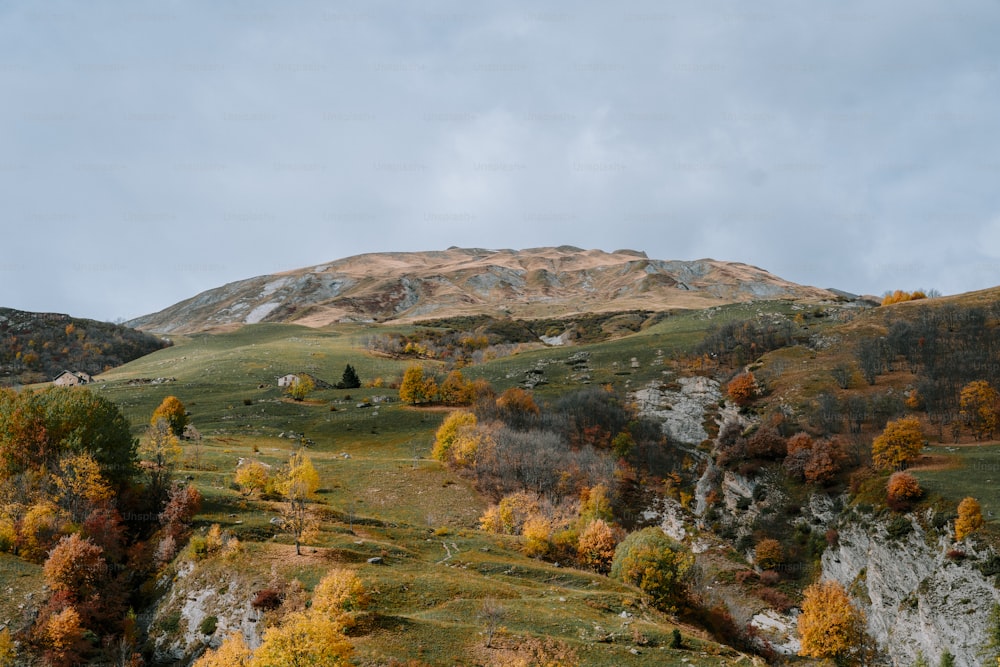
(531, 283)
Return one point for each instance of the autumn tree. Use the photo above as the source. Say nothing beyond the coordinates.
(899, 444)
(339, 591)
(63, 638)
(304, 640)
(233, 652)
(415, 387)
(8, 650)
(456, 390)
(902, 491)
(298, 486)
(79, 486)
(173, 412)
(517, 407)
(75, 566)
(970, 518)
(768, 554)
(980, 408)
(830, 627)
(456, 427)
(37, 428)
(162, 451)
(742, 389)
(300, 387)
(596, 545)
(656, 564)
(252, 477)
(350, 379)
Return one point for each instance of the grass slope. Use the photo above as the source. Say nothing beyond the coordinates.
(377, 478)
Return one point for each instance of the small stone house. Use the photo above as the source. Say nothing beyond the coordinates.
(72, 378)
(288, 380)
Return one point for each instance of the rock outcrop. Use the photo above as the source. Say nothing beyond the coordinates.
(916, 598)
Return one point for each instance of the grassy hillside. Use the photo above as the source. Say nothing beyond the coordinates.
(377, 477)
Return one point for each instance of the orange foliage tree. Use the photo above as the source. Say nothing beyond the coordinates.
(900, 296)
(76, 567)
(742, 389)
(970, 518)
(899, 444)
(830, 627)
(902, 490)
(980, 408)
(596, 545)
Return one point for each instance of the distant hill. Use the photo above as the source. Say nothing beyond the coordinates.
(528, 284)
(35, 347)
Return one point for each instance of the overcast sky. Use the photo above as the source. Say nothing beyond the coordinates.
(152, 151)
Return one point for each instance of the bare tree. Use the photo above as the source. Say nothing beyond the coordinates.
(491, 613)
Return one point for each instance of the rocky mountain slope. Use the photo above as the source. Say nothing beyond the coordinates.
(538, 282)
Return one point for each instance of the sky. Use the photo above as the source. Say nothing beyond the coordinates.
(153, 150)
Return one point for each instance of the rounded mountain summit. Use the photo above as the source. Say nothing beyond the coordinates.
(528, 284)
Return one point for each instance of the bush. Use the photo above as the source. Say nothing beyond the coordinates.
(899, 527)
(655, 563)
(902, 491)
(769, 553)
(208, 625)
(776, 599)
(267, 599)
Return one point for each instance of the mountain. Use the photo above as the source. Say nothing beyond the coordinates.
(35, 347)
(532, 283)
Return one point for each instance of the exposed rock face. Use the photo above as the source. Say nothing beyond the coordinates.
(915, 597)
(681, 409)
(531, 284)
(194, 595)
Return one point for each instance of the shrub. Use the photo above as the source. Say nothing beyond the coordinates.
(776, 599)
(769, 553)
(267, 599)
(208, 625)
(655, 563)
(742, 389)
(902, 490)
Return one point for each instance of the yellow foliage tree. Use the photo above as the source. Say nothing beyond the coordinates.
(304, 640)
(451, 430)
(300, 387)
(79, 486)
(415, 388)
(456, 390)
(233, 652)
(899, 444)
(298, 486)
(251, 477)
(162, 451)
(173, 412)
(970, 518)
(339, 591)
(40, 527)
(980, 408)
(829, 626)
(8, 651)
(537, 531)
(508, 516)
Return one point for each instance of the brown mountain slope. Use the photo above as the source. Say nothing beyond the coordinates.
(538, 282)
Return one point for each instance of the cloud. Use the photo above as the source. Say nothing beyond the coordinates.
(152, 154)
